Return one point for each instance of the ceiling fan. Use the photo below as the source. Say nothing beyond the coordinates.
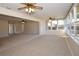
(30, 7)
(50, 18)
(23, 21)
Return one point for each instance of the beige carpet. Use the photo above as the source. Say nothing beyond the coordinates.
(35, 45)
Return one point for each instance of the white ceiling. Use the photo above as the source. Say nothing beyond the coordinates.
(57, 10)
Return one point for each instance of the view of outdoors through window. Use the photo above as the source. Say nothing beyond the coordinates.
(55, 24)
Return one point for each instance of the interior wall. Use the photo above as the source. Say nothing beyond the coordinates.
(42, 27)
(31, 27)
(3, 28)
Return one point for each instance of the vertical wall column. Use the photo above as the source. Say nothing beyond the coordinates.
(51, 25)
(57, 24)
(42, 26)
(46, 25)
(75, 17)
(23, 27)
(70, 20)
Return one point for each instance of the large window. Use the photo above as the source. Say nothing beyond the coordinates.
(72, 23)
(55, 24)
(78, 11)
(60, 24)
(77, 21)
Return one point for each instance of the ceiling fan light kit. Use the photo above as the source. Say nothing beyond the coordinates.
(23, 21)
(29, 10)
(30, 7)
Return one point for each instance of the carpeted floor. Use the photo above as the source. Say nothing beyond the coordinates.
(50, 44)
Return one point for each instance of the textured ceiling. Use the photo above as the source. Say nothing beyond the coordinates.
(57, 10)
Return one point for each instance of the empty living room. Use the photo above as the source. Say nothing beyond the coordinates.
(39, 28)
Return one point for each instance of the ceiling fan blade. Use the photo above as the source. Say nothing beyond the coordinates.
(22, 8)
(52, 18)
(38, 7)
(32, 3)
(24, 3)
(28, 4)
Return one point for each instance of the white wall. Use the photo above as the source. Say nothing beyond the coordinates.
(3, 28)
(42, 26)
(31, 27)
